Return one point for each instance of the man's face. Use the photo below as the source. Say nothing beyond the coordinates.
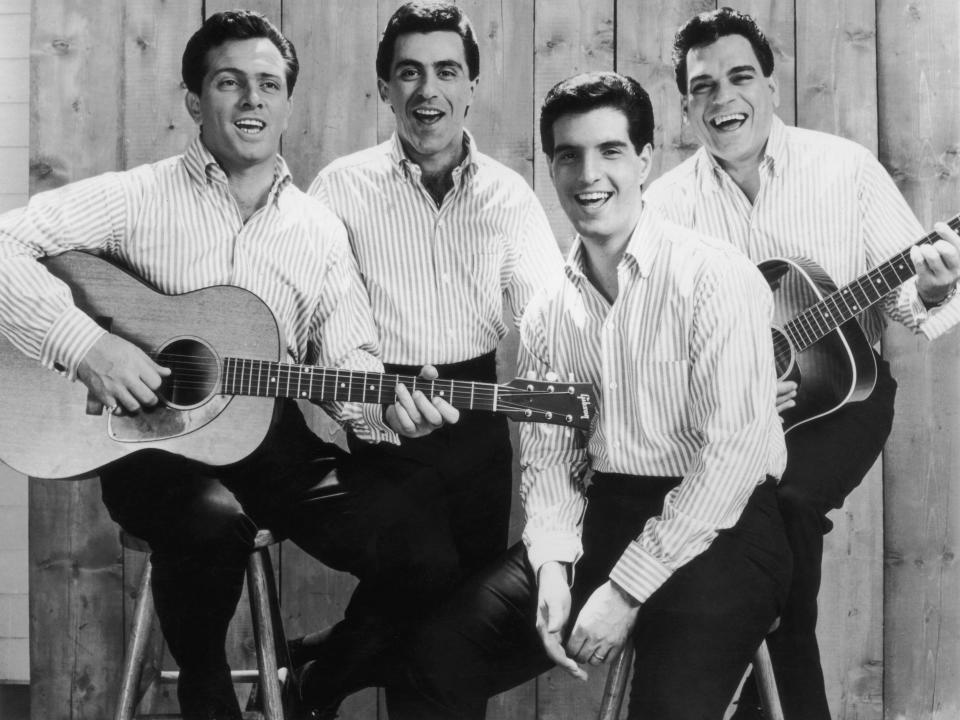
(430, 90)
(243, 108)
(598, 174)
(729, 103)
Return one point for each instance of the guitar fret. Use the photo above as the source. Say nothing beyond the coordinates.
(473, 388)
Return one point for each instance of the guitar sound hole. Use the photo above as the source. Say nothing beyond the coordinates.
(196, 372)
(783, 354)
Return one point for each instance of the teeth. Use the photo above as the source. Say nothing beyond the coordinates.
(428, 112)
(250, 125)
(728, 117)
(593, 196)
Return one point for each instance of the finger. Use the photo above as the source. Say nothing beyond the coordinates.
(931, 259)
(124, 400)
(401, 421)
(786, 405)
(160, 369)
(599, 655)
(449, 413)
(786, 386)
(406, 402)
(429, 415)
(144, 396)
(554, 650)
(555, 618)
(947, 233)
(948, 254)
(429, 372)
(578, 646)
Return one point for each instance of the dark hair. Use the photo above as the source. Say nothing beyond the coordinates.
(233, 25)
(423, 17)
(588, 91)
(707, 28)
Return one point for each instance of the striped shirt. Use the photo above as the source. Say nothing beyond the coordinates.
(821, 197)
(683, 367)
(438, 277)
(175, 225)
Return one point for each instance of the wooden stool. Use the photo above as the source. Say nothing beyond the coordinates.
(273, 675)
(619, 675)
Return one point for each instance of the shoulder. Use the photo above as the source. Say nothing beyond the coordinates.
(495, 178)
(701, 260)
(312, 216)
(369, 162)
(674, 189)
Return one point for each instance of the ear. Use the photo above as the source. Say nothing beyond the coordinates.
(774, 89)
(192, 102)
(384, 89)
(646, 162)
(683, 109)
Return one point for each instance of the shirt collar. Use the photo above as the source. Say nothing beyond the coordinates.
(204, 169)
(641, 250)
(407, 168)
(774, 158)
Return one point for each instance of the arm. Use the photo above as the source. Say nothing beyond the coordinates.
(889, 226)
(538, 259)
(37, 312)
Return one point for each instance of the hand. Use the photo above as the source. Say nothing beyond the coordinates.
(938, 265)
(786, 392)
(553, 611)
(603, 625)
(416, 415)
(120, 375)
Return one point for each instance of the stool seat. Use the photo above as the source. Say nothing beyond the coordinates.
(273, 677)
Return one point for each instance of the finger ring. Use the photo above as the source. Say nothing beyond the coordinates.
(598, 656)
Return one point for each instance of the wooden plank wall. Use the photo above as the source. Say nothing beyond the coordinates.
(14, 150)
(105, 95)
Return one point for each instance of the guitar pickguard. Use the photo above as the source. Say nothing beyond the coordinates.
(165, 423)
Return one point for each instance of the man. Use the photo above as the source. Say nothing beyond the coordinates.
(780, 191)
(680, 541)
(447, 239)
(224, 212)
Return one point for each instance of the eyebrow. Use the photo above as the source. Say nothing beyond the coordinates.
(437, 64)
(731, 71)
(603, 146)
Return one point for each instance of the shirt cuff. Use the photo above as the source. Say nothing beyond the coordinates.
(937, 320)
(366, 422)
(639, 573)
(69, 339)
(546, 546)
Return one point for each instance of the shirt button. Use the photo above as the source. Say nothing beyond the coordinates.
(613, 385)
(440, 224)
(446, 278)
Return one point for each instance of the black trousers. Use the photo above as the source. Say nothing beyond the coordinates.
(826, 460)
(694, 636)
(201, 523)
(459, 479)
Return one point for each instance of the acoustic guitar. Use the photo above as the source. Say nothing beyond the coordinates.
(817, 339)
(223, 345)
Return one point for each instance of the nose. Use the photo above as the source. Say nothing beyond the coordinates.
(428, 85)
(251, 98)
(724, 92)
(589, 168)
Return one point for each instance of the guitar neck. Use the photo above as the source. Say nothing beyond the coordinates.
(264, 378)
(845, 303)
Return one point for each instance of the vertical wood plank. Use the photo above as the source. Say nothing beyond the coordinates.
(645, 32)
(75, 573)
(919, 105)
(334, 113)
(335, 102)
(836, 93)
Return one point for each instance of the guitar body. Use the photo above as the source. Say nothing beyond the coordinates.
(840, 368)
(49, 427)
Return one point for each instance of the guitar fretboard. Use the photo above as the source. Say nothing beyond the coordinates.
(265, 378)
(845, 303)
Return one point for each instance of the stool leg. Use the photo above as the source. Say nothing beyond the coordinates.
(616, 686)
(263, 597)
(767, 683)
(136, 647)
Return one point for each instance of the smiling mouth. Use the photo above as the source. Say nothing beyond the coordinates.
(250, 126)
(728, 121)
(428, 116)
(592, 200)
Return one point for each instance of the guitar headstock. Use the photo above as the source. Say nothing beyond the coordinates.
(557, 403)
